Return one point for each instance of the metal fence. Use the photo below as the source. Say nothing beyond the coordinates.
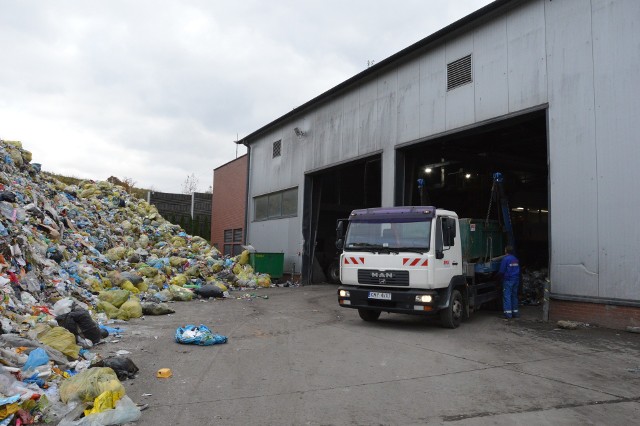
(191, 212)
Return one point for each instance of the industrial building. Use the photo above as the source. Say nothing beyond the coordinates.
(543, 91)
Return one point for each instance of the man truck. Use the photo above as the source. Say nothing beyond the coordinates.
(418, 260)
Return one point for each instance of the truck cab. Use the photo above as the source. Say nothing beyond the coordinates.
(405, 260)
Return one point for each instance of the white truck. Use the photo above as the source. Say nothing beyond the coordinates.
(418, 260)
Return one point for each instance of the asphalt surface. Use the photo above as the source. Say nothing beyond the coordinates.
(297, 358)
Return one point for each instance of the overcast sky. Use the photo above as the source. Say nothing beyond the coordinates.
(157, 90)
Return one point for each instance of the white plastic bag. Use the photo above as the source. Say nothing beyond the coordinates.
(125, 411)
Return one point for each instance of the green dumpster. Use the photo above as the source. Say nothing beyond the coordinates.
(268, 263)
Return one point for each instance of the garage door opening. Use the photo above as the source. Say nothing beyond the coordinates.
(331, 195)
(458, 175)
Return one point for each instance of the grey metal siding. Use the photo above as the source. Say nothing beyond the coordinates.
(579, 57)
(616, 55)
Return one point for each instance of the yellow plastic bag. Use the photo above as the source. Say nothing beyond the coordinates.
(7, 410)
(132, 308)
(180, 294)
(264, 280)
(106, 307)
(105, 401)
(244, 257)
(142, 287)
(127, 285)
(87, 385)
(61, 339)
(179, 280)
(115, 297)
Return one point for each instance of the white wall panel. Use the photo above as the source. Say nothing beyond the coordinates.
(408, 122)
(433, 87)
(386, 112)
(527, 67)
(490, 70)
(574, 199)
(367, 117)
(350, 125)
(616, 50)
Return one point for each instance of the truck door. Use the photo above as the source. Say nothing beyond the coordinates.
(447, 261)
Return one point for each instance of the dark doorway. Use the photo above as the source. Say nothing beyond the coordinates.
(330, 195)
(458, 174)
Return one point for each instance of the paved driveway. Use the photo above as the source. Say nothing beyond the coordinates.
(297, 358)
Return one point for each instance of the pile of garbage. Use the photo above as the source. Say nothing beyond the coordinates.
(533, 283)
(74, 259)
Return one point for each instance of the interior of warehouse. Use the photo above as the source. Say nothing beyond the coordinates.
(457, 173)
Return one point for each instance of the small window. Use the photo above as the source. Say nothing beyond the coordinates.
(290, 202)
(459, 72)
(277, 148)
(237, 235)
(276, 205)
(228, 235)
(261, 208)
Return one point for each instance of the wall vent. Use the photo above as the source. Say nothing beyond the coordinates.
(277, 147)
(459, 72)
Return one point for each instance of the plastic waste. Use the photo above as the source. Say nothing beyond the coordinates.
(61, 339)
(209, 291)
(89, 384)
(198, 335)
(153, 308)
(164, 373)
(125, 411)
(37, 357)
(123, 367)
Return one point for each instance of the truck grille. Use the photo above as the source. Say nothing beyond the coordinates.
(386, 278)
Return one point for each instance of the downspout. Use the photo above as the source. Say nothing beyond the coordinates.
(246, 200)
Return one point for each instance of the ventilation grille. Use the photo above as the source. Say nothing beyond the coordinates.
(277, 146)
(459, 72)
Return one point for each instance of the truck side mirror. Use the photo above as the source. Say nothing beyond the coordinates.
(339, 243)
(439, 254)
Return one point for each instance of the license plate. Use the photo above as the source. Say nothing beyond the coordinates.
(380, 296)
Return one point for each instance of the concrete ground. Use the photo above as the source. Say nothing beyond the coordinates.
(297, 358)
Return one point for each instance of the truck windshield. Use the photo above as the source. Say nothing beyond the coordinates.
(407, 236)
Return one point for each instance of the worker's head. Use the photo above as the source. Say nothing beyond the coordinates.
(508, 249)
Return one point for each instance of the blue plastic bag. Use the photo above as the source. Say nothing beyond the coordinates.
(200, 335)
(37, 357)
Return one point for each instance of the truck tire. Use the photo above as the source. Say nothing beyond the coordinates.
(451, 317)
(368, 314)
(333, 272)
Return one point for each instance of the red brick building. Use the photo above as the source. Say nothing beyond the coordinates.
(229, 206)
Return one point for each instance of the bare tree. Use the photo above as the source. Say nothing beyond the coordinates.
(190, 184)
(128, 183)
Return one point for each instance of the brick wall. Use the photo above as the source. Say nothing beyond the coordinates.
(610, 316)
(229, 199)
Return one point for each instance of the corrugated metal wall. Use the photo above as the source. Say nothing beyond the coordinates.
(580, 57)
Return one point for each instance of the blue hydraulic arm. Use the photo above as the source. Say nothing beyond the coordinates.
(498, 192)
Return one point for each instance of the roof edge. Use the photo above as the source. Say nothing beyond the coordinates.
(396, 57)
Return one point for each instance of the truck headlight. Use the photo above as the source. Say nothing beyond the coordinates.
(424, 298)
(344, 293)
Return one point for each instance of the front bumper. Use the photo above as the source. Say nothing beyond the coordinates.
(401, 301)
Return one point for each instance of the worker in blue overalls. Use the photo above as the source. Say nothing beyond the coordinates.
(510, 274)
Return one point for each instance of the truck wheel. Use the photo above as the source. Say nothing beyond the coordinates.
(368, 314)
(333, 272)
(452, 315)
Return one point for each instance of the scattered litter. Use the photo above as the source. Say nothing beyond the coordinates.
(164, 373)
(75, 260)
(200, 335)
(569, 325)
(124, 367)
